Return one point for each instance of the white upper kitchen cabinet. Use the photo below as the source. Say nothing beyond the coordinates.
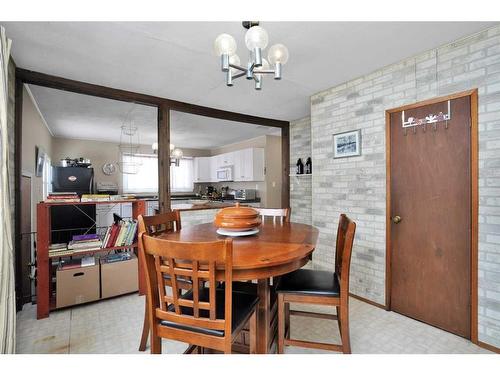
(203, 169)
(225, 160)
(249, 164)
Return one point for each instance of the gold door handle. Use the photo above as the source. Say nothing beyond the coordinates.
(396, 219)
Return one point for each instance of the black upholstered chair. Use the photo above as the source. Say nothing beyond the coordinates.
(321, 288)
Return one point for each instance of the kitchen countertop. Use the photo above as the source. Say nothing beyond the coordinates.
(208, 206)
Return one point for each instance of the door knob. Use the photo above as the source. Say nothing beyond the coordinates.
(396, 219)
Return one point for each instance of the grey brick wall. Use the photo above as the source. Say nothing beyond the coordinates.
(300, 187)
(357, 185)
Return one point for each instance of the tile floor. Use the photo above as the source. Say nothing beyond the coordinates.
(114, 326)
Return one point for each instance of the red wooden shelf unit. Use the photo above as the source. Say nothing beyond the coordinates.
(43, 286)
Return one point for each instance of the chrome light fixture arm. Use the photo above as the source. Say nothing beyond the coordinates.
(256, 40)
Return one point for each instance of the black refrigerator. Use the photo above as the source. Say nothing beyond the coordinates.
(69, 220)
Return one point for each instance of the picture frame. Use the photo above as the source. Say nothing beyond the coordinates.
(347, 144)
(39, 161)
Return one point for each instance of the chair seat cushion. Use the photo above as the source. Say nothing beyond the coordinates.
(310, 282)
(243, 306)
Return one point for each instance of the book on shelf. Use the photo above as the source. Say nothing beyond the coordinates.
(120, 234)
(85, 242)
(95, 197)
(123, 197)
(62, 197)
(85, 237)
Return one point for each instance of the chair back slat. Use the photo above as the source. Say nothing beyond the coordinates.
(211, 281)
(196, 291)
(278, 215)
(157, 224)
(200, 261)
(173, 280)
(343, 251)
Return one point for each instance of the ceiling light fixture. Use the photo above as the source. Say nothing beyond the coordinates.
(256, 40)
(176, 154)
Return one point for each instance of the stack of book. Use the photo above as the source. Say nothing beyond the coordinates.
(122, 197)
(95, 197)
(59, 249)
(121, 234)
(62, 197)
(85, 242)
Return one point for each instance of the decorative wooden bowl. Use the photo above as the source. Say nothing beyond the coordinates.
(237, 218)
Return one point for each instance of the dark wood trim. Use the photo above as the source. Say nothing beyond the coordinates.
(18, 119)
(285, 165)
(41, 79)
(486, 346)
(365, 300)
(474, 157)
(388, 273)
(163, 158)
(438, 99)
(474, 175)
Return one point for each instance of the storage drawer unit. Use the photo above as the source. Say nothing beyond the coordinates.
(77, 285)
(119, 277)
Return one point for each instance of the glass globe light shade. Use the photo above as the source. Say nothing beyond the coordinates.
(256, 37)
(172, 146)
(224, 44)
(154, 146)
(177, 153)
(235, 60)
(278, 53)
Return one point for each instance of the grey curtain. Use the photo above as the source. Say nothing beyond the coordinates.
(7, 288)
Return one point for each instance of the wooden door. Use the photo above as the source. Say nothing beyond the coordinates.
(26, 241)
(430, 190)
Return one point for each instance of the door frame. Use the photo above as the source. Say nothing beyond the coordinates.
(474, 154)
(25, 173)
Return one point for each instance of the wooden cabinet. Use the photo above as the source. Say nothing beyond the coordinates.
(247, 164)
(203, 169)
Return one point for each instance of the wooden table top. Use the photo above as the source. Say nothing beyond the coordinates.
(275, 250)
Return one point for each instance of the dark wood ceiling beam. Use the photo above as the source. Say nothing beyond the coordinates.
(42, 79)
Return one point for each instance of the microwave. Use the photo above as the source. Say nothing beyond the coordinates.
(245, 194)
(225, 174)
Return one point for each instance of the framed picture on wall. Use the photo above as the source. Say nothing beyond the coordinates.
(347, 144)
(40, 161)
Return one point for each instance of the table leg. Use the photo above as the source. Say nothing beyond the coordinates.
(263, 316)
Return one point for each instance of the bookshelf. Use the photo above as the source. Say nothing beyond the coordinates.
(43, 234)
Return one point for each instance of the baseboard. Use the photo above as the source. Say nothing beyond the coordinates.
(488, 347)
(368, 301)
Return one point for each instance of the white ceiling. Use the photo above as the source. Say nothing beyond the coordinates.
(70, 115)
(175, 60)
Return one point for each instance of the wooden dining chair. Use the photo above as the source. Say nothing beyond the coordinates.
(280, 215)
(155, 225)
(205, 317)
(307, 286)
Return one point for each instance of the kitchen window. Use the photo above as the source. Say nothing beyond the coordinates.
(182, 177)
(146, 179)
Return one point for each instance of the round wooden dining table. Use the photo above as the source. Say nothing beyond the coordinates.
(277, 249)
